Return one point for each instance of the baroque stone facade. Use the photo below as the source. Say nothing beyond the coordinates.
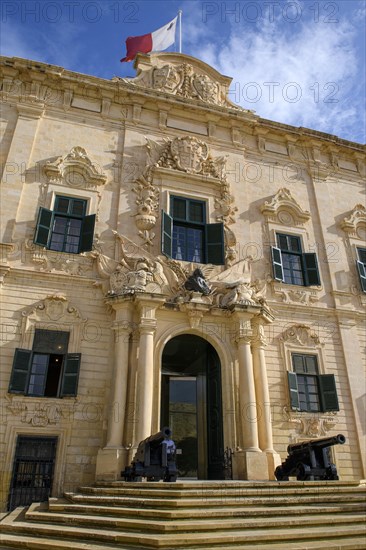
(159, 222)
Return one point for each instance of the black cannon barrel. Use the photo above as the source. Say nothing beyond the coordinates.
(156, 439)
(319, 443)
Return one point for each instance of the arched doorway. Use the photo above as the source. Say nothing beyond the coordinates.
(191, 405)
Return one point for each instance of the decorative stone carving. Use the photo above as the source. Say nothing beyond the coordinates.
(136, 271)
(302, 296)
(233, 286)
(54, 307)
(37, 414)
(284, 209)
(355, 224)
(189, 155)
(75, 169)
(182, 80)
(310, 425)
(51, 261)
(300, 335)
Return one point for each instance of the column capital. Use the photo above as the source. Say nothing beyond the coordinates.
(258, 337)
(147, 326)
(122, 327)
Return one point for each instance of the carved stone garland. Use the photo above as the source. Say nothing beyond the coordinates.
(190, 155)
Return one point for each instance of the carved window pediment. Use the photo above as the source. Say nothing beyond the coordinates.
(284, 209)
(355, 224)
(53, 313)
(76, 170)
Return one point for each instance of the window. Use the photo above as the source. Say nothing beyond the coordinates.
(66, 228)
(291, 265)
(47, 370)
(310, 391)
(361, 267)
(186, 235)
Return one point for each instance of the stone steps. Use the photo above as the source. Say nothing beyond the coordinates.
(59, 505)
(194, 515)
(37, 513)
(11, 542)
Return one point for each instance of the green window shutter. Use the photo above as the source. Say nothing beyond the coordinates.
(166, 234)
(312, 276)
(277, 264)
(21, 367)
(328, 392)
(43, 228)
(293, 391)
(70, 376)
(362, 274)
(215, 244)
(87, 233)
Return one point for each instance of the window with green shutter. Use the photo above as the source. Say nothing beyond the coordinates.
(291, 265)
(310, 391)
(47, 370)
(186, 236)
(361, 267)
(66, 228)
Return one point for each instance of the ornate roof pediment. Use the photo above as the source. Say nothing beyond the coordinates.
(354, 223)
(284, 209)
(75, 169)
(183, 76)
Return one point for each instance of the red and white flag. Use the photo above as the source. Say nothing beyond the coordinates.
(156, 41)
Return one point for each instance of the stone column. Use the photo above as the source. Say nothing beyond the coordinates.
(247, 398)
(112, 459)
(147, 306)
(261, 388)
(145, 379)
(117, 410)
(249, 462)
(263, 400)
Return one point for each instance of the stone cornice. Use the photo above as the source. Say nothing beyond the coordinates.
(117, 91)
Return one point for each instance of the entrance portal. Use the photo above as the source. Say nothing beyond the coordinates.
(191, 405)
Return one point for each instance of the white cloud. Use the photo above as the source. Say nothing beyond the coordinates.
(303, 74)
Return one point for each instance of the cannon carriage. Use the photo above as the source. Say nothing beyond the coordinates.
(310, 460)
(154, 459)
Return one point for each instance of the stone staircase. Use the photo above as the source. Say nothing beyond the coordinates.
(194, 515)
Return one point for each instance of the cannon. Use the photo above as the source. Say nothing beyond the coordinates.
(154, 459)
(310, 460)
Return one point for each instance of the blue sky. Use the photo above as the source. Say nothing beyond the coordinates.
(299, 62)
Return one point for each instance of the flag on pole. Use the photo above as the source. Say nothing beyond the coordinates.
(156, 41)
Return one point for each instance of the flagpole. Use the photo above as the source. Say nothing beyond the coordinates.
(180, 30)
